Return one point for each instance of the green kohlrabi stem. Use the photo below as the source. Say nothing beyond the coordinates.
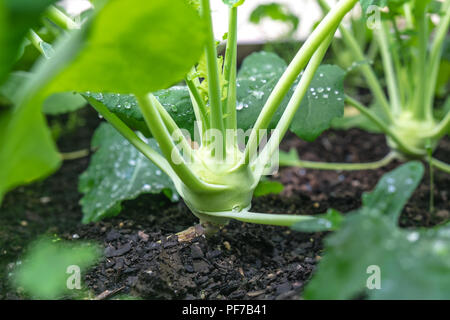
(36, 41)
(366, 69)
(175, 131)
(405, 90)
(215, 95)
(229, 71)
(61, 19)
(380, 123)
(435, 58)
(284, 220)
(408, 15)
(431, 173)
(339, 166)
(420, 86)
(441, 165)
(323, 30)
(383, 39)
(128, 134)
(201, 113)
(442, 128)
(293, 105)
(148, 106)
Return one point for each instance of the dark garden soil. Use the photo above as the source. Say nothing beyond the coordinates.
(143, 258)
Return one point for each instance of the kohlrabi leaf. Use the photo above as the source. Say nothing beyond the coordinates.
(55, 104)
(175, 100)
(10, 88)
(52, 269)
(233, 3)
(118, 172)
(63, 102)
(394, 189)
(135, 47)
(323, 102)
(16, 18)
(27, 150)
(129, 46)
(410, 264)
(370, 254)
(256, 79)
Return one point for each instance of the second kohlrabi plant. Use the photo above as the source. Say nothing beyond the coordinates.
(411, 46)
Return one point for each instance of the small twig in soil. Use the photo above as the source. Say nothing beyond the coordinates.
(189, 234)
(108, 293)
(75, 155)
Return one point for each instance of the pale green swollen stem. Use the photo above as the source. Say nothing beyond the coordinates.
(149, 109)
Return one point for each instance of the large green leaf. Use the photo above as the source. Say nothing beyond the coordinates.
(46, 269)
(10, 89)
(58, 103)
(175, 100)
(130, 46)
(63, 102)
(16, 18)
(136, 47)
(118, 172)
(413, 264)
(27, 150)
(324, 101)
(394, 189)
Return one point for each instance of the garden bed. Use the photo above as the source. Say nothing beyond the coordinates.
(143, 257)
